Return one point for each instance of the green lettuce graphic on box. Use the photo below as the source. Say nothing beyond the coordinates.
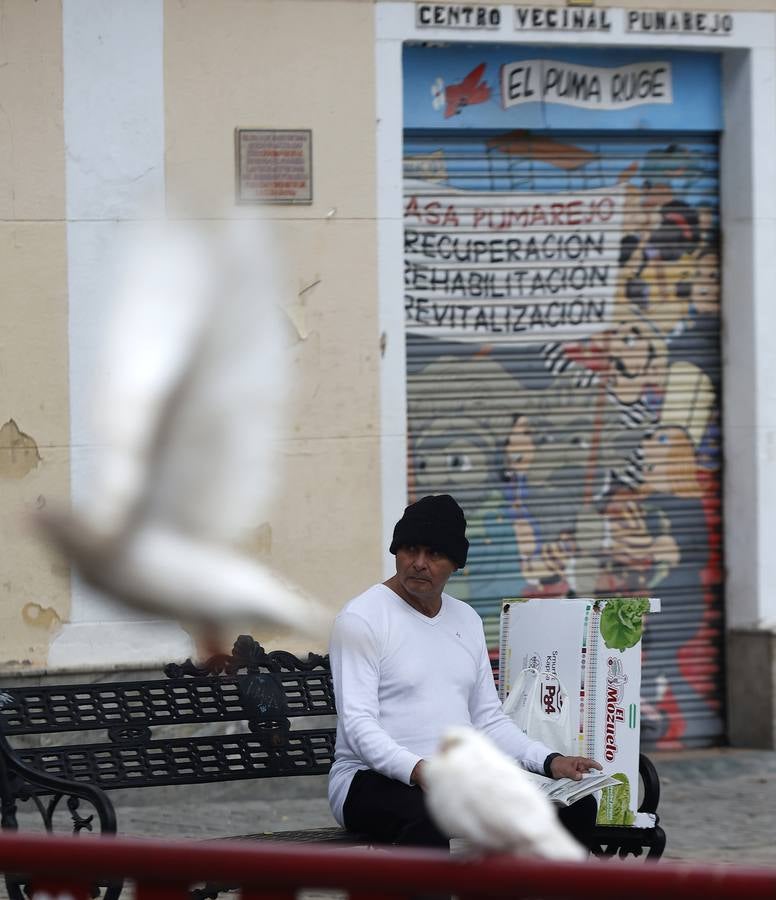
(622, 623)
(575, 666)
(614, 804)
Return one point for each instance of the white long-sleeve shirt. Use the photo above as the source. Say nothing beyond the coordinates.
(401, 679)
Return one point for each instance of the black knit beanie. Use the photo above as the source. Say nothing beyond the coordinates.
(436, 521)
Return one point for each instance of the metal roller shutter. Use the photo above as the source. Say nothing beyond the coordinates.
(563, 377)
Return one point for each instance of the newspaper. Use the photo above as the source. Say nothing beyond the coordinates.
(566, 791)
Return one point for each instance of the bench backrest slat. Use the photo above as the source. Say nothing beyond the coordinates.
(173, 701)
(192, 760)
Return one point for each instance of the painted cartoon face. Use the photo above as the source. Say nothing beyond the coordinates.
(641, 209)
(628, 533)
(704, 287)
(660, 286)
(563, 466)
(459, 413)
(454, 455)
(661, 295)
(638, 361)
(520, 449)
(562, 444)
(706, 223)
(669, 463)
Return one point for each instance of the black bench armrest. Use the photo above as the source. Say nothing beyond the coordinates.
(650, 783)
(611, 840)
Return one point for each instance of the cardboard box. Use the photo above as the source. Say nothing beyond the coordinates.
(576, 665)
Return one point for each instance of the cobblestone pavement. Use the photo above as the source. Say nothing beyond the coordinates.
(716, 805)
(719, 805)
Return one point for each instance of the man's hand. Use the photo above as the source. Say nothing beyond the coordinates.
(572, 766)
(417, 773)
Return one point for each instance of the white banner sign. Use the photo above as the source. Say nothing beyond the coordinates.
(587, 87)
(509, 266)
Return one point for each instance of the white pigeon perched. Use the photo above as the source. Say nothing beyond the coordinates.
(185, 422)
(474, 791)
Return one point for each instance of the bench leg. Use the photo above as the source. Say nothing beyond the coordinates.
(624, 842)
(658, 844)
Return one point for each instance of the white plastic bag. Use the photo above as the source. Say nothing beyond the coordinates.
(539, 705)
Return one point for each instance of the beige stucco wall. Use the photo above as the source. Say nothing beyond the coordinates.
(300, 64)
(34, 430)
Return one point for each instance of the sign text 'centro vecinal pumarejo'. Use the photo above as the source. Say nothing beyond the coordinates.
(589, 87)
(476, 16)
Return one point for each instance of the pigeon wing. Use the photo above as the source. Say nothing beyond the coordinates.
(156, 319)
(215, 462)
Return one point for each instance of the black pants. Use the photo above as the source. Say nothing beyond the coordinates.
(390, 812)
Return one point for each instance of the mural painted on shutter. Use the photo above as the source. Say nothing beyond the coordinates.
(562, 319)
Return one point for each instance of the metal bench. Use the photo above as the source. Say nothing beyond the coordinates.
(262, 691)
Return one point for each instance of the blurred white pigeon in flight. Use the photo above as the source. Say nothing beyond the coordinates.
(474, 791)
(186, 421)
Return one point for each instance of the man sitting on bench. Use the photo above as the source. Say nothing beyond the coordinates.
(408, 662)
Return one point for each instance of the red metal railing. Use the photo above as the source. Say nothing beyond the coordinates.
(166, 869)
